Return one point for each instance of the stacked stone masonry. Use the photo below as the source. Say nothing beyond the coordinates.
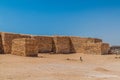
(77, 43)
(51, 44)
(1, 45)
(97, 48)
(62, 44)
(24, 47)
(45, 43)
(7, 40)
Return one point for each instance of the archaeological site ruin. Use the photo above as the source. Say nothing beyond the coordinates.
(29, 45)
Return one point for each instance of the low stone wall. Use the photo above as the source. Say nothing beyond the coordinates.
(24, 47)
(45, 44)
(62, 44)
(7, 40)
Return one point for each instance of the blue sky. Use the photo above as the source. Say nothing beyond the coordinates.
(86, 18)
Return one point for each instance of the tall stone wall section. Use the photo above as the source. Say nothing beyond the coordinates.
(7, 40)
(45, 44)
(24, 47)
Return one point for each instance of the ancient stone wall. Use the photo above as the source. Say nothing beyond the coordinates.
(62, 44)
(18, 47)
(24, 47)
(105, 48)
(78, 43)
(96, 48)
(1, 45)
(97, 40)
(7, 40)
(56, 44)
(45, 44)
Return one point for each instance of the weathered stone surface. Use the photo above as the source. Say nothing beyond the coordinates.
(1, 45)
(45, 44)
(96, 48)
(7, 40)
(62, 44)
(105, 48)
(77, 43)
(56, 44)
(24, 47)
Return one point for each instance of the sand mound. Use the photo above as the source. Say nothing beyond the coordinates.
(101, 69)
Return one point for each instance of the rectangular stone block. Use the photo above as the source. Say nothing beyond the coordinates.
(7, 40)
(45, 44)
(62, 44)
(25, 47)
(96, 48)
(77, 43)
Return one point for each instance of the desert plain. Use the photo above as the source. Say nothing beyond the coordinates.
(60, 67)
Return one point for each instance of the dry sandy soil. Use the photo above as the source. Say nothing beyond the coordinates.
(59, 67)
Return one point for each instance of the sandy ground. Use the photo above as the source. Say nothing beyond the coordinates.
(59, 67)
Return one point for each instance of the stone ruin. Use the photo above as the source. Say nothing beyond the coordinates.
(114, 50)
(29, 45)
(24, 47)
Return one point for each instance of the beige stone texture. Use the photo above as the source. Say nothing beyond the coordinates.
(25, 47)
(56, 44)
(96, 48)
(45, 44)
(1, 45)
(62, 44)
(77, 43)
(7, 40)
